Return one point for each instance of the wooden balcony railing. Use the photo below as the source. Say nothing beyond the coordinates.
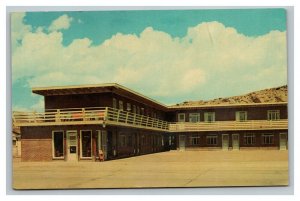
(71, 116)
(228, 125)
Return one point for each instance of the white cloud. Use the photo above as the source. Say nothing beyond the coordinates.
(63, 22)
(210, 58)
(18, 29)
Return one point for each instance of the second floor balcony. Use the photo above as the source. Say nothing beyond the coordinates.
(281, 124)
(88, 116)
(113, 117)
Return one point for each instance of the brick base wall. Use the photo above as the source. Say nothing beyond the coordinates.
(36, 150)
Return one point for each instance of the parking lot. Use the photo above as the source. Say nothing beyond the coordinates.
(167, 169)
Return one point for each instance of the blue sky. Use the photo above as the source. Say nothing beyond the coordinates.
(171, 56)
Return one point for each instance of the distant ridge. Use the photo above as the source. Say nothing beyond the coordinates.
(271, 95)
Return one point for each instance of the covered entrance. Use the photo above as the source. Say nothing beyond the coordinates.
(181, 142)
(72, 149)
(282, 141)
(225, 141)
(235, 142)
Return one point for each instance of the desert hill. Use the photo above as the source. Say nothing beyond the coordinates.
(277, 94)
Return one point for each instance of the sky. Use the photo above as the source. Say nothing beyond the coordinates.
(168, 55)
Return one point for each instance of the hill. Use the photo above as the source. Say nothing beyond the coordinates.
(277, 94)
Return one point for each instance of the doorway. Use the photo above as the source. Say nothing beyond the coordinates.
(181, 142)
(225, 141)
(235, 142)
(72, 146)
(282, 141)
(102, 142)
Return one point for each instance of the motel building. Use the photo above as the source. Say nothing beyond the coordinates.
(110, 121)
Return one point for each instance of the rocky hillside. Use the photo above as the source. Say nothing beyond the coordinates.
(278, 94)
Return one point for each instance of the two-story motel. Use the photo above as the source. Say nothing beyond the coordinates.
(79, 121)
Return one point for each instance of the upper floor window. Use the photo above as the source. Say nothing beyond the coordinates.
(273, 115)
(121, 105)
(209, 116)
(128, 107)
(133, 108)
(114, 103)
(241, 116)
(138, 110)
(142, 111)
(194, 117)
(181, 117)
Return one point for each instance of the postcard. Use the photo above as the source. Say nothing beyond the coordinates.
(149, 98)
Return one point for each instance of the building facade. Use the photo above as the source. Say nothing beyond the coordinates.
(87, 122)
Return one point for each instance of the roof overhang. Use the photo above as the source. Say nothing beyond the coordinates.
(126, 92)
(99, 88)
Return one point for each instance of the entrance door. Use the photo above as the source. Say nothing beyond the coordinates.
(102, 142)
(181, 142)
(225, 141)
(282, 141)
(72, 146)
(235, 142)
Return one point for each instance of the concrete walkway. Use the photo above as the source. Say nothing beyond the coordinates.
(168, 169)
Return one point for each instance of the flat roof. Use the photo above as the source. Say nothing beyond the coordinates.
(226, 105)
(98, 88)
(124, 91)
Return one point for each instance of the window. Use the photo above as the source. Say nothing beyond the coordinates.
(209, 116)
(194, 117)
(122, 140)
(211, 140)
(142, 111)
(273, 115)
(195, 140)
(249, 139)
(128, 107)
(241, 116)
(134, 109)
(138, 110)
(143, 140)
(268, 138)
(58, 144)
(86, 144)
(181, 117)
(129, 141)
(114, 103)
(121, 105)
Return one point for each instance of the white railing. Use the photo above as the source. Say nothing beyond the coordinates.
(87, 115)
(228, 125)
(106, 115)
(121, 116)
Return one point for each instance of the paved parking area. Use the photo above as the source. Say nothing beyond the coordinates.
(167, 169)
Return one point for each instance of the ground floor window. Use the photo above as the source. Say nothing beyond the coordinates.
(194, 140)
(86, 144)
(122, 140)
(249, 139)
(129, 141)
(58, 144)
(268, 138)
(211, 140)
